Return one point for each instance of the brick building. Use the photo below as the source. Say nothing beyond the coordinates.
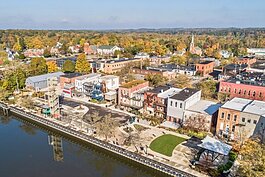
(205, 68)
(153, 71)
(239, 117)
(155, 100)
(131, 94)
(245, 85)
(246, 60)
(114, 66)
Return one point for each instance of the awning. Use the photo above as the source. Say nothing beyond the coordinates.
(215, 145)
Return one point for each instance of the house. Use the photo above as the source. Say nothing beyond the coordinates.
(205, 68)
(90, 49)
(74, 49)
(155, 60)
(108, 50)
(225, 53)
(207, 110)
(131, 94)
(179, 102)
(41, 81)
(241, 117)
(155, 100)
(245, 85)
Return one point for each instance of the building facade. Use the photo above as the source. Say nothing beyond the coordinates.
(205, 68)
(181, 101)
(131, 94)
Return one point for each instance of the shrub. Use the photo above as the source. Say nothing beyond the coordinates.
(232, 156)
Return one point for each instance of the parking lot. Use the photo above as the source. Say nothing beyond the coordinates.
(94, 108)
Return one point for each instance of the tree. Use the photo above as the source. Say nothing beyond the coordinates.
(208, 88)
(197, 123)
(82, 65)
(68, 66)
(47, 53)
(52, 66)
(182, 81)
(155, 80)
(106, 127)
(38, 66)
(179, 60)
(252, 161)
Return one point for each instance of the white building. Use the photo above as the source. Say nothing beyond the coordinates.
(225, 53)
(142, 55)
(178, 103)
(108, 49)
(256, 51)
(90, 78)
(111, 82)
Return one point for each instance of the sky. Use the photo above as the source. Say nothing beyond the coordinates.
(130, 14)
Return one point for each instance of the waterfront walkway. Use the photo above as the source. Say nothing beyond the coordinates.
(107, 146)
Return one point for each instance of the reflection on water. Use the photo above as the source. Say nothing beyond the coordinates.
(27, 151)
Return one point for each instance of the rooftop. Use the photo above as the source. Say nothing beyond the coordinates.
(205, 107)
(238, 104)
(205, 62)
(256, 107)
(133, 83)
(169, 93)
(87, 76)
(108, 47)
(45, 76)
(249, 78)
(121, 60)
(159, 89)
(184, 94)
(109, 77)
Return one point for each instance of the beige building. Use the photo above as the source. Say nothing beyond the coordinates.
(114, 66)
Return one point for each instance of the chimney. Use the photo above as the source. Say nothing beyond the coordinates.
(161, 91)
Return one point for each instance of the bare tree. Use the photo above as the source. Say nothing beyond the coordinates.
(196, 123)
(106, 127)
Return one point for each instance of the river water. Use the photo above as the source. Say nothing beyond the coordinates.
(28, 151)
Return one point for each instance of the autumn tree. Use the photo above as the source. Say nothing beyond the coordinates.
(209, 88)
(252, 161)
(181, 81)
(52, 66)
(155, 79)
(68, 66)
(38, 66)
(82, 65)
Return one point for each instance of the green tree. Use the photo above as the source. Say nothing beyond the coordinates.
(82, 65)
(47, 53)
(38, 66)
(68, 66)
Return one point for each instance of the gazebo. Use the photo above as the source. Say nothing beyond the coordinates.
(214, 152)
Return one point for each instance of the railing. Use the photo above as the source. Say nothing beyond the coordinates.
(107, 146)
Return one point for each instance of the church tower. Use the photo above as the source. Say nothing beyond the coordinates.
(192, 47)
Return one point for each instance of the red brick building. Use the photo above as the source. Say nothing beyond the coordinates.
(242, 90)
(69, 79)
(205, 68)
(246, 60)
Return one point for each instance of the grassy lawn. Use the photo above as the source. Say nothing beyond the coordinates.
(165, 144)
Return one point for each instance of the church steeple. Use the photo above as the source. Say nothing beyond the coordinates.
(192, 47)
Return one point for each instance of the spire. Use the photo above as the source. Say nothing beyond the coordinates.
(192, 39)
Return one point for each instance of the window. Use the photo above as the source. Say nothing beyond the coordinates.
(243, 119)
(233, 128)
(254, 121)
(180, 105)
(235, 117)
(223, 115)
(228, 116)
(171, 103)
(176, 104)
(249, 120)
